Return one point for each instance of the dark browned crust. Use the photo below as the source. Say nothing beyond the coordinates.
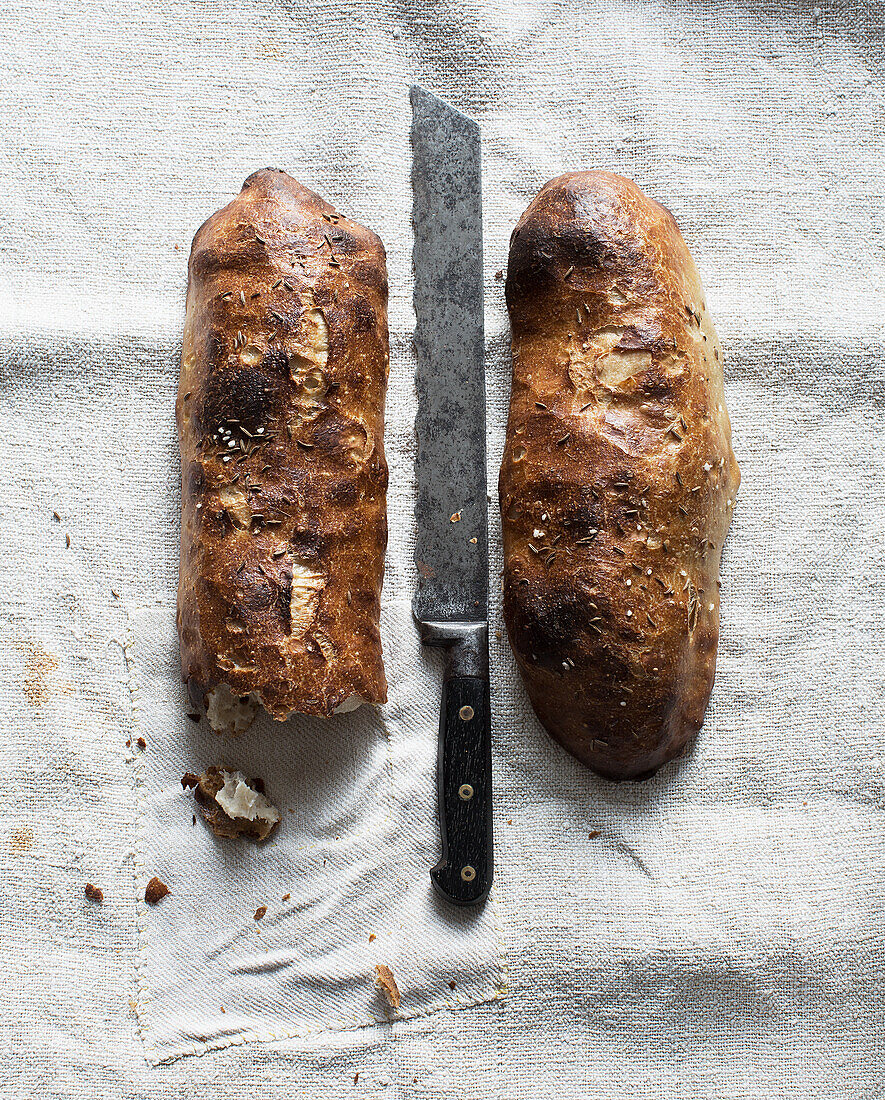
(619, 453)
(265, 274)
(206, 787)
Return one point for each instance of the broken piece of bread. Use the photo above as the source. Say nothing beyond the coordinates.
(232, 804)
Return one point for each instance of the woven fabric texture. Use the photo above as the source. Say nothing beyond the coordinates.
(721, 936)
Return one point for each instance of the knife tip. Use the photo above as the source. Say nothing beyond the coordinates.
(422, 100)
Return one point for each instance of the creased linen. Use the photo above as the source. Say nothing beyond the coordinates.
(722, 936)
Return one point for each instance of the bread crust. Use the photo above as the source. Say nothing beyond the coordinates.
(280, 413)
(618, 479)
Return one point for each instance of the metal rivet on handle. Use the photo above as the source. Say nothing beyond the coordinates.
(465, 714)
(465, 791)
(468, 873)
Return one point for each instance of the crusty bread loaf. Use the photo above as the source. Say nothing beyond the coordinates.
(618, 479)
(281, 415)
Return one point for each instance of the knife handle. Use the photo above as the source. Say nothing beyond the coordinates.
(464, 777)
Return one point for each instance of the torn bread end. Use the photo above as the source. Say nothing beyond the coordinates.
(234, 805)
(229, 713)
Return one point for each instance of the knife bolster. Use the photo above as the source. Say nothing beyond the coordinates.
(467, 646)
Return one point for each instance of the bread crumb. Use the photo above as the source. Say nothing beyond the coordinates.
(93, 893)
(594, 834)
(129, 744)
(140, 741)
(286, 897)
(356, 1078)
(260, 911)
(223, 1009)
(68, 541)
(155, 891)
(189, 780)
(386, 983)
(372, 938)
(453, 984)
(499, 275)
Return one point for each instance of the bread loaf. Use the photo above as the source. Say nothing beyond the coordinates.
(281, 413)
(618, 478)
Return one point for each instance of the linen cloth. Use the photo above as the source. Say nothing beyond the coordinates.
(722, 935)
(343, 881)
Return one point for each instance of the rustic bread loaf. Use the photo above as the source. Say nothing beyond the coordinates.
(281, 415)
(618, 479)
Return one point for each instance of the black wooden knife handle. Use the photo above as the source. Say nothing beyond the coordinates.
(464, 776)
(464, 874)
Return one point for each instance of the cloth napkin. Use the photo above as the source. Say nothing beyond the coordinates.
(714, 933)
(343, 883)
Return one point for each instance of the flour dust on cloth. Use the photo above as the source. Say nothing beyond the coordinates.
(343, 877)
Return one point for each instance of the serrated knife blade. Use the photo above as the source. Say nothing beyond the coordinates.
(451, 551)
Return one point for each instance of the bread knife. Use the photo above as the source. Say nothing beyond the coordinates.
(450, 604)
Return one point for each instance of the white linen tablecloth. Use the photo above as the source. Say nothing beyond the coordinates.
(721, 936)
